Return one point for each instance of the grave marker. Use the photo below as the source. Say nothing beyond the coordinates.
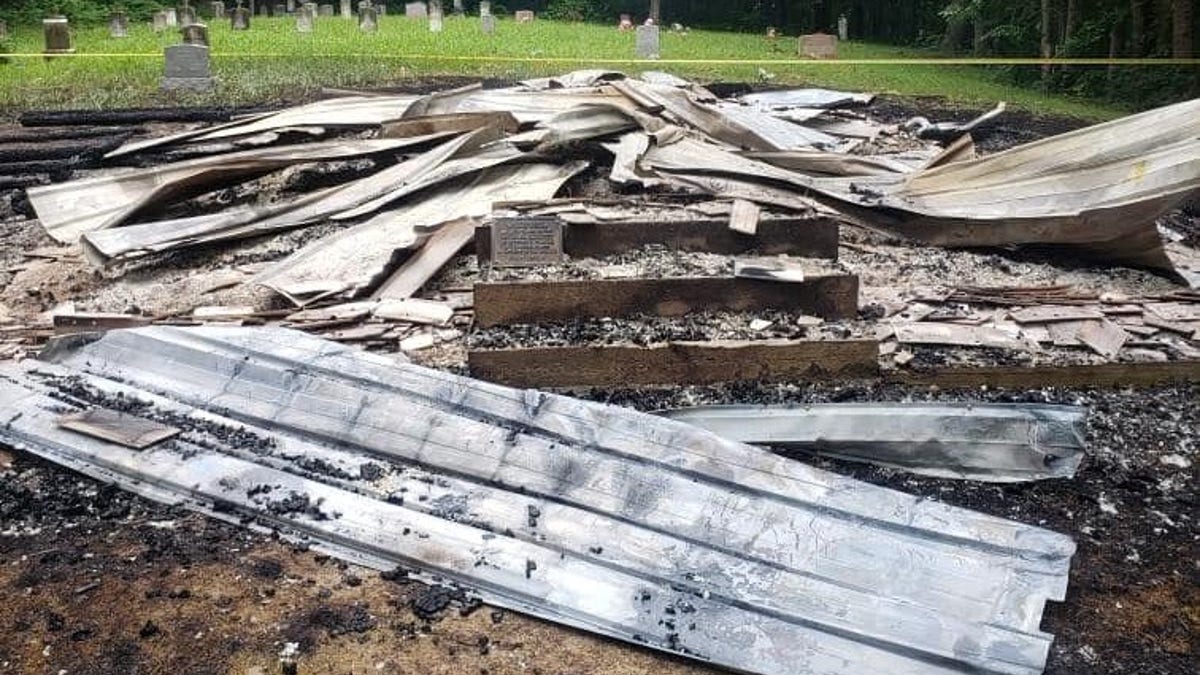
(118, 25)
(240, 18)
(159, 22)
(291, 6)
(435, 16)
(186, 14)
(524, 16)
(325, 10)
(647, 42)
(368, 20)
(416, 10)
(218, 10)
(458, 8)
(347, 8)
(195, 34)
(485, 8)
(187, 68)
(57, 32)
(488, 23)
(172, 17)
(304, 20)
(381, 9)
(280, 10)
(818, 46)
(527, 242)
(625, 22)
(843, 28)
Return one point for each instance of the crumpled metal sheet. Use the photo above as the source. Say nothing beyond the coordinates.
(67, 210)
(805, 98)
(348, 111)
(103, 247)
(598, 517)
(359, 257)
(986, 442)
(1097, 190)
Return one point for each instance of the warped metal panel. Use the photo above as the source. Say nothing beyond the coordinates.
(1098, 189)
(358, 257)
(603, 518)
(990, 442)
(68, 210)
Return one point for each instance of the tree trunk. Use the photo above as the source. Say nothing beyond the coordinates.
(1137, 28)
(979, 39)
(656, 11)
(1046, 41)
(1071, 25)
(1182, 17)
(956, 32)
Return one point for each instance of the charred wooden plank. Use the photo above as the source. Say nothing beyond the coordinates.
(804, 237)
(830, 296)
(24, 135)
(676, 363)
(131, 116)
(27, 151)
(1037, 377)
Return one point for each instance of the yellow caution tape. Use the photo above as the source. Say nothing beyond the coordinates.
(644, 62)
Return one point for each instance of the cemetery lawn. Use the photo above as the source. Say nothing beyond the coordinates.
(274, 62)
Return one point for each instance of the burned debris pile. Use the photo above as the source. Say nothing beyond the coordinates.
(599, 230)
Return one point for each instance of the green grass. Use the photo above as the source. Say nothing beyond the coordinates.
(272, 61)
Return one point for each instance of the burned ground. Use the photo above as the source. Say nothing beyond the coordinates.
(98, 581)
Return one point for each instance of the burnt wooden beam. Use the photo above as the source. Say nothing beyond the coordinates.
(133, 116)
(803, 237)
(676, 363)
(830, 296)
(1037, 377)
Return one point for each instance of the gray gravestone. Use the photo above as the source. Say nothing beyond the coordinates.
(218, 10)
(818, 46)
(458, 8)
(325, 10)
(527, 242)
(195, 34)
(57, 32)
(368, 21)
(172, 17)
(160, 22)
(240, 18)
(381, 9)
(118, 25)
(524, 16)
(416, 10)
(291, 6)
(843, 28)
(647, 42)
(280, 10)
(187, 15)
(488, 22)
(187, 68)
(304, 20)
(485, 8)
(435, 16)
(347, 8)
(264, 10)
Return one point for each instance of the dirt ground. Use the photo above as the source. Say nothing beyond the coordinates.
(95, 581)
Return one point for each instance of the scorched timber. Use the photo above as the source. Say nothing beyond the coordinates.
(803, 237)
(830, 296)
(676, 363)
(594, 516)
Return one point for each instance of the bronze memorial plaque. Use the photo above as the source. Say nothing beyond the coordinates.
(526, 242)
